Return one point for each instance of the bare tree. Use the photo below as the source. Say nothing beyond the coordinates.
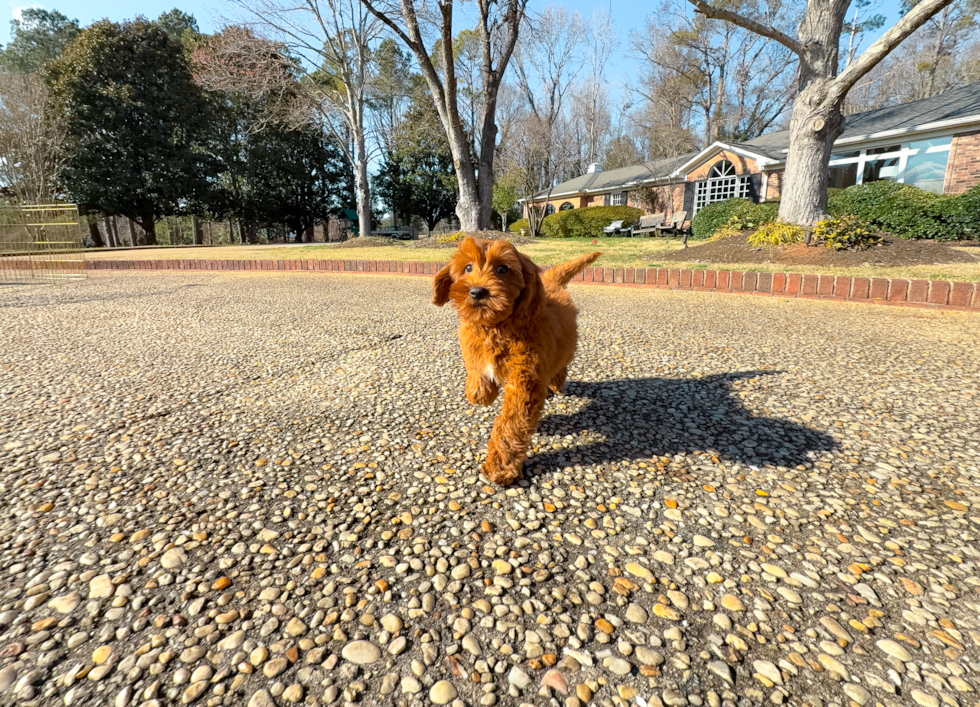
(817, 116)
(589, 111)
(729, 83)
(334, 38)
(498, 26)
(32, 140)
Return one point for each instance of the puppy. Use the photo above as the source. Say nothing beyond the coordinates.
(517, 330)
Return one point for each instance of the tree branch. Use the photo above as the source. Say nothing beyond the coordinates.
(717, 13)
(917, 17)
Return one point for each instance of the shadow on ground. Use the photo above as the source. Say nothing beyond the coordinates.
(647, 417)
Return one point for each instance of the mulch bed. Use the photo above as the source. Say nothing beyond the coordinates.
(367, 243)
(433, 242)
(892, 252)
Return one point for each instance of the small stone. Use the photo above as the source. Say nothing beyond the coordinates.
(192, 693)
(101, 587)
(295, 628)
(556, 681)
(361, 652)
(261, 699)
(636, 613)
(732, 603)
(502, 567)
(65, 604)
(293, 693)
(702, 541)
(391, 623)
(924, 699)
(173, 558)
(617, 666)
(275, 667)
(442, 693)
(101, 654)
(857, 693)
(768, 671)
(518, 678)
(895, 650)
(639, 571)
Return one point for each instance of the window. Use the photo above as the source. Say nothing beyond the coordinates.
(620, 199)
(722, 183)
(921, 164)
(549, 209)
(567, 206)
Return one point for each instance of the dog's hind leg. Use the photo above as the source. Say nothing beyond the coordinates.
(523, 402)
(558, 382)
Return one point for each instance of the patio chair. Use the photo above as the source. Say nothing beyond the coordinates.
(676, 224)
(649, 224)
(613, 228)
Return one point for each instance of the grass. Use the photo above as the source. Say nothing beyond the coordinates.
(617, 252)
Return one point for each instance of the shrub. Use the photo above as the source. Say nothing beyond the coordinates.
(518, 225)
(587, 222)
(724, 232)
(451, 237)
(777, 233)
(909, 212)
(846, 232)
(737, 214)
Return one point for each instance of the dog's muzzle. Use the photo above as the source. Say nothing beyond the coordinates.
(479, 293)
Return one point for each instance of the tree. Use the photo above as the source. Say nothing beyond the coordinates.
(334, 38)
(943, 36)
(393, 85)
(39, 37)
(817, 116)
(177, 23)
(417, 178)
(498, 26)
(135, 121)
(32, 140)
(722, 81)
(861, 22)
(505, 197)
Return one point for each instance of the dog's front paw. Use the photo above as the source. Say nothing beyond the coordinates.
(481, 392)
(502, 474)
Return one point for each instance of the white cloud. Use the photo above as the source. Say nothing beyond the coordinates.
(18, 11)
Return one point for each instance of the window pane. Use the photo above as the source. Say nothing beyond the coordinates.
(926, 144)
(927, 171)
(881, 169)
(845, 155)
(843, 176)
(883, 150)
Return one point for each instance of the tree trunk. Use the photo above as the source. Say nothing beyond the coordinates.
(147, 222)
(198, 231)
(363, 188)
(468, 207)
(812, 131)
(94, 233)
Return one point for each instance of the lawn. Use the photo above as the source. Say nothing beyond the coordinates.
(617, 252)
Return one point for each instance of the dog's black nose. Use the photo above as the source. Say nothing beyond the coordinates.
(479, 292)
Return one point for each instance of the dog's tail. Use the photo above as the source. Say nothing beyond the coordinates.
(561, 275)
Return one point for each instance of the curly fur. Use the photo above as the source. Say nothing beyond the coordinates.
(521, 336)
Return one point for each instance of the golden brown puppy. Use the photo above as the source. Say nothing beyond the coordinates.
(517, 329)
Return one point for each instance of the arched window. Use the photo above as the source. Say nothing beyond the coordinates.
(549, 209)
(722, 169)
(567, 206)
(722, 183)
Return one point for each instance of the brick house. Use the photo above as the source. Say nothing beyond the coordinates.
(933, 144)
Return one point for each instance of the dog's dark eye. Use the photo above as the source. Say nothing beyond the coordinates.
(501, 269)
(469, 268)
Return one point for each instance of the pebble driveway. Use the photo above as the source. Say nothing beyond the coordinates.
(262, 489)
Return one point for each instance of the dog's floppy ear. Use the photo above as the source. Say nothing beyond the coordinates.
(440, 287)
(530, 297)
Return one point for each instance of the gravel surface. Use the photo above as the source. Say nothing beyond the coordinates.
(261, 489)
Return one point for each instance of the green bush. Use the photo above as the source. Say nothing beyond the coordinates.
(587, 222)
(736, 214)
(846, 232)
(909, 212)
(777, 233)
(518, 225)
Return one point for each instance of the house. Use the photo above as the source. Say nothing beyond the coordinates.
(933, 144)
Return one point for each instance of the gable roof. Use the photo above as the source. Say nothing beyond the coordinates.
(949, 110)
(955, 107)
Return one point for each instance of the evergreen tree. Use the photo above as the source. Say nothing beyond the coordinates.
(135, 121)
(39, 37)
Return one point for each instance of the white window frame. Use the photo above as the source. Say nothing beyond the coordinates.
(721, 188)
(903, 153)
(620, 198)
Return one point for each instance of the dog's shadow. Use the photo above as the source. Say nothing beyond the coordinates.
(646, 417)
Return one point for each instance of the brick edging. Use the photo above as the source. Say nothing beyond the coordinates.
(933, 294)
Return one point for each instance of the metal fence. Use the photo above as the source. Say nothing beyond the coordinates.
(40, 243)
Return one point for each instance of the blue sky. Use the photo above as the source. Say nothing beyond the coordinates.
(627, 14)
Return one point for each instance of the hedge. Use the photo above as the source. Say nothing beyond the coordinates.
(518, 225)
(909, 212)
(588, 222)
(710, 218)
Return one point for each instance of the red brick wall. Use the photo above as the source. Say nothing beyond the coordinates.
(775, 187)
(743, 165)
(963, 171)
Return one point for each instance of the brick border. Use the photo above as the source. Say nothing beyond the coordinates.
(929, 294)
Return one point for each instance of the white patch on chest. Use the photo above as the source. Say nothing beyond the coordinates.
(491, 374)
